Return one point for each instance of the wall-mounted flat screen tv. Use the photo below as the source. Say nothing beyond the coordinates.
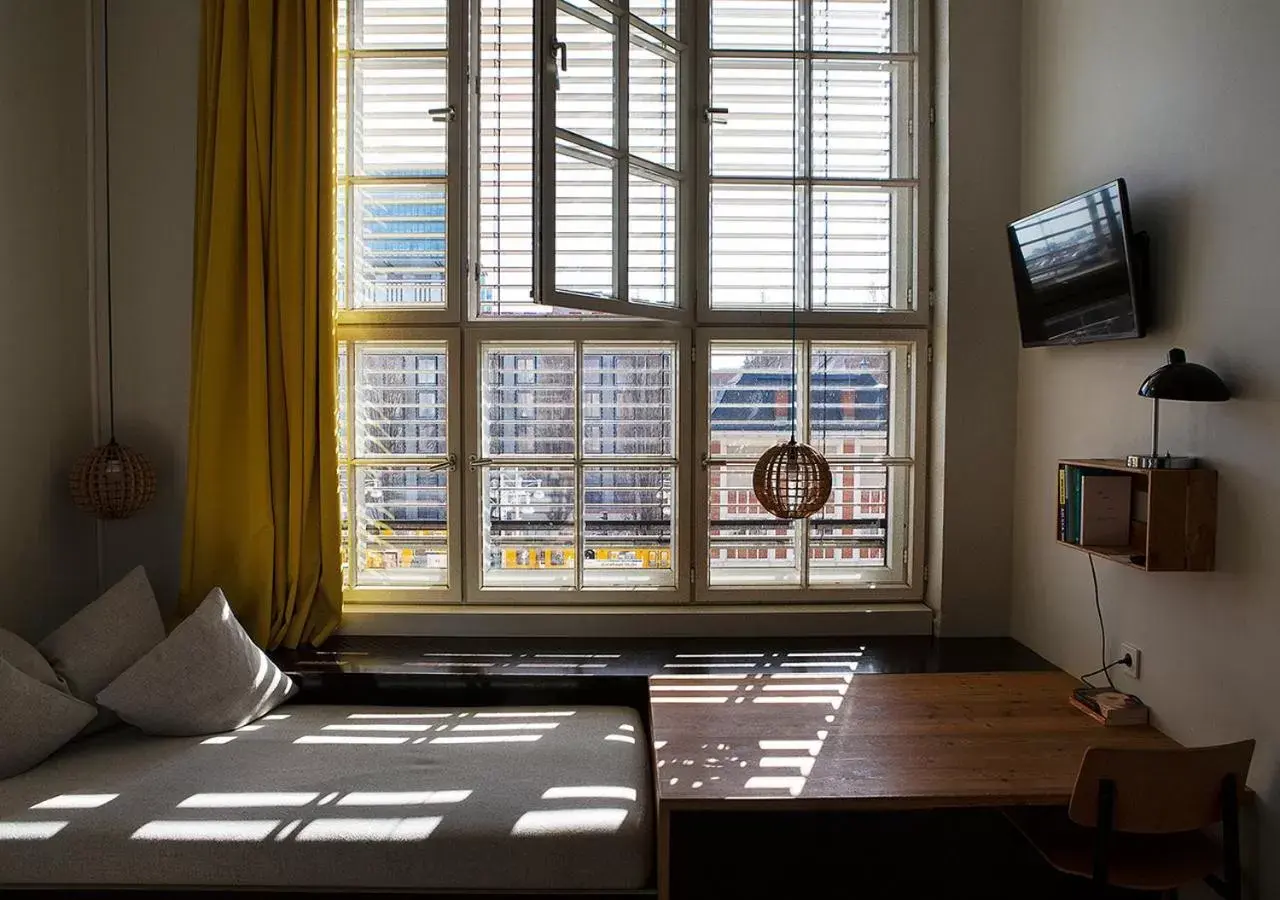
(1079, 270)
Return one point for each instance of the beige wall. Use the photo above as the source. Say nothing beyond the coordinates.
(975, 339)
(48, 551)
(1179, 97)
(154, 57)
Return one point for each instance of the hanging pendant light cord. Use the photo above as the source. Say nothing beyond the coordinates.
(106, 167)
(795, 223)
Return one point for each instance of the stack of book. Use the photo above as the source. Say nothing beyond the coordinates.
(1093, 507)
(1109, 706)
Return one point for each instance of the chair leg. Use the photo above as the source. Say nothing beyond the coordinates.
(1102, 834)
(1231, 838)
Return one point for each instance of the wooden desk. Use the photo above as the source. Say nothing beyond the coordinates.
(833, 740)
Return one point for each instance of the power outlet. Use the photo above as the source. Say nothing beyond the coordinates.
(1134, 669)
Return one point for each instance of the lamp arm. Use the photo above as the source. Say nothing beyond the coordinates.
(1155, 428)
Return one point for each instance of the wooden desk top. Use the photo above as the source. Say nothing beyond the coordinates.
(843, 741)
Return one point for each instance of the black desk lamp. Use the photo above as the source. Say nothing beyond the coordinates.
(1176, 380)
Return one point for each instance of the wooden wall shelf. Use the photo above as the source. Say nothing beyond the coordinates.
(1174, 518)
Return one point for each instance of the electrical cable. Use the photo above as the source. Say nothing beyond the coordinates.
(1102, 628)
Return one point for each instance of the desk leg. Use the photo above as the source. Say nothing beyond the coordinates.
(664, 853)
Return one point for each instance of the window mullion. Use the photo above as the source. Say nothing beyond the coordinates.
(579, 473)
(622, 140)
(544, 146)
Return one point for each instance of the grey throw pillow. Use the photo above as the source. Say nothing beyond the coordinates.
(38, 719)
(106, 637)
(27, 659)
(205, 677)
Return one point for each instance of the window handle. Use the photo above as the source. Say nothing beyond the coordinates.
(561, 48)
(475, 462)
(711, 112)
(442, 113)
(450, 463)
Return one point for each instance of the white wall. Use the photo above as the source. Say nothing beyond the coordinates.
(48, 551)
(154, 58)
(1179, 97)
(975, 334)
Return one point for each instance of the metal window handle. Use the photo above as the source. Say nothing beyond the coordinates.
(441, 114)
(711, 112)
(475, 462)
(451, 463)
(562, 49)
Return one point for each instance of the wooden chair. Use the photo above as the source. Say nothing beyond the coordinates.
(1137, 819)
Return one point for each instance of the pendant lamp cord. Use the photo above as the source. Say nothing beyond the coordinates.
(795, 224)
(106, 166)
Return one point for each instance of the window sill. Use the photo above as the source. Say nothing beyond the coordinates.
(884, 619)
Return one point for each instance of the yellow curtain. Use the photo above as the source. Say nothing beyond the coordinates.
(262, 518)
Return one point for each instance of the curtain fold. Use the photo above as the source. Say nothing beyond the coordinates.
(262, 515)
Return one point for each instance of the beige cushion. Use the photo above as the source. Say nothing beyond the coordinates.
(204, 678)
(37, 720)
(27, 659)
(106, 637)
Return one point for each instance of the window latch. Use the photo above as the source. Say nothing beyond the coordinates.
(442, 113)
(560, 49)
(713, 115)
(450, 463)
(475, 462)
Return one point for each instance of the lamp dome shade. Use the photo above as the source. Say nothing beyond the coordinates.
(1182, 380)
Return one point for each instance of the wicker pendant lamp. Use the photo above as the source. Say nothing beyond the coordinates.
(111, 481)
(792, 480)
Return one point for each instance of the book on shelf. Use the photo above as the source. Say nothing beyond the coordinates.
(1108, 706)
(1104, 510)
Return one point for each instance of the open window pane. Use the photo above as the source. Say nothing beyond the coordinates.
(661, 14)
(402, 521)
(584, 225)
(401, 401)
(529, 523)
(400, 245)
(585, 92)
(628, 400)
(653, 215)
(527, 406)
(746, 546)
(393, 134)
(404, 25)
(652, 96)
(757, 137)
(627, 527)
(753, 241)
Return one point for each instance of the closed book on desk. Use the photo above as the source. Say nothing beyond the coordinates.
(1110, 707)
(1104, 510)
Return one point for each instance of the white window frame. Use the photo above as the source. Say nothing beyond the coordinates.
(910, 416)
(693, 324)
(476, 463)
(547, 135)
(404, 336)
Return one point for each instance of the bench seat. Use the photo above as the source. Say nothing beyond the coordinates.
(345, 797)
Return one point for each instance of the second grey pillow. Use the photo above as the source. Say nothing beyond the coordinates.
(206, 677)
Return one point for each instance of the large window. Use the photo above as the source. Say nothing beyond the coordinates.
(572, 238)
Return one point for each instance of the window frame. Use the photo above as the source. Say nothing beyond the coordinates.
(545, 140)
(398, 336)
(463, 329)
(576, 598)
(912, 514)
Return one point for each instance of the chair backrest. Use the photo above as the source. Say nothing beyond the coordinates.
(1159, 791)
